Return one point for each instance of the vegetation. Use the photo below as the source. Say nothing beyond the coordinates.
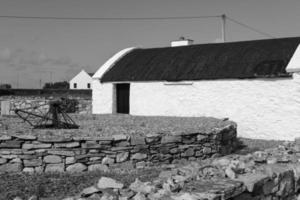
(59, 185)
(56, 85)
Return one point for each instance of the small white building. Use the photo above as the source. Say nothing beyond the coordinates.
(81, 81)
(254, 83)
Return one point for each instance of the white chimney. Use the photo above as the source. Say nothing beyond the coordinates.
(182, 42)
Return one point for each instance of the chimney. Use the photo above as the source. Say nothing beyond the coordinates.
(182, 42)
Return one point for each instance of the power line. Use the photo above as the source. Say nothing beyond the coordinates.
(250, 27)
(108, 18)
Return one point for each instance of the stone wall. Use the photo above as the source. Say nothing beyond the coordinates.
(40, 104)
(38, 154)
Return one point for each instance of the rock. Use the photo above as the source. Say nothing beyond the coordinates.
(52, 159)
(141, 187)
(134, 140)
(36, 146)
(107, 161)
(5, 137)
(16, 160)
(272, 160)
(138, 156)
(171, 139)
(77, 167)
(61, 152)
(121, 157)
(28, 170)
(54, 139)
(55, 167)
(152, 138)
(230, 173)
(70, 160)
(17, 198)
(33, 163)
(11, 167)
(11, 144)
(140, 165)
(119, 137)
(25, 137)
(3, 160)
(253, 182)
(98, 167)
(139, 196)
(89, 191)
(223, 161)
(105, 183)
(67, 145)
(34, 197)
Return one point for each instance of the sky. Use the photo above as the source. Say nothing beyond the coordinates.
(35, 51)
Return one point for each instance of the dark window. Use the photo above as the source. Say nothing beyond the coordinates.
(89, 85)
(75, 85)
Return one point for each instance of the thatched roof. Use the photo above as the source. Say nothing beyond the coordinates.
(247, 59)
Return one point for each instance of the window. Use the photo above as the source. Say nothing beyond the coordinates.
(89, 85)
(75, 85)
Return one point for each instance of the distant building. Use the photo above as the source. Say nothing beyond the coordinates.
(254, 83)
(81, 81)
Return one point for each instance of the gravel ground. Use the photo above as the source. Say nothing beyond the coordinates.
(107, 125)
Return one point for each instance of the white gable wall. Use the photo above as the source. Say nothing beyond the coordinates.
(82, 79)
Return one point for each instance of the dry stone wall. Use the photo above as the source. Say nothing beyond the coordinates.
(47, 154)
(40, 104)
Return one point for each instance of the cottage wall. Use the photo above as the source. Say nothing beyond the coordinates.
(102, 98)
(82, 79)
(262, 108)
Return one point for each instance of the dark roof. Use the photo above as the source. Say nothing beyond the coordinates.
(247, 59)
(91, 74)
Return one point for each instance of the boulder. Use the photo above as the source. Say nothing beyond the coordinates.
(89, 191)
(52, 159)
(107, 161)
(105, 183)
(123, 156)
(141, 187)
(98, 167)
(77, 167)
(11, 167)
(55, 167)
(138, 156)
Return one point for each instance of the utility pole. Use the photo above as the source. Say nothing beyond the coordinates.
(223, 27)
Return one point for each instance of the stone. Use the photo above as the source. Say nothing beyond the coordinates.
(52, 159)
(33, 163)
(3, 160)
(17, 198)
(28, 170)
(55, 139)
(39, 169)
(119, 137)
(139, 156)
(253, 182)
(171, 139)
(34, 197)
(11, 144)
(55, 167)
(108, 161)
(206, 150)
(134, 140)
(142, 187)
(188, 153)
(61, 152)
(121, 157)
(98, 167)
(5, 137)
(67, 145)
(36, 146)
(89, 191)
(152, 138)
(139, 196)
(230, 173)
(70, 160)
(77, 167)
(25, 137)
(105, 183)
(11, 167)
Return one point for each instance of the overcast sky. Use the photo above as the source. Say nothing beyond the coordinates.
(51, 50)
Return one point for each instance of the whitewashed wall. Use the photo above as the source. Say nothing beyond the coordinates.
(262, 108)
(81, 79)
(102, 98)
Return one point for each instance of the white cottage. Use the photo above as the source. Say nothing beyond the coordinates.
(81, 81)
(254, 83)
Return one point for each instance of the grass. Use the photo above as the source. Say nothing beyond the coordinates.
(107, 125)
(58, 185)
